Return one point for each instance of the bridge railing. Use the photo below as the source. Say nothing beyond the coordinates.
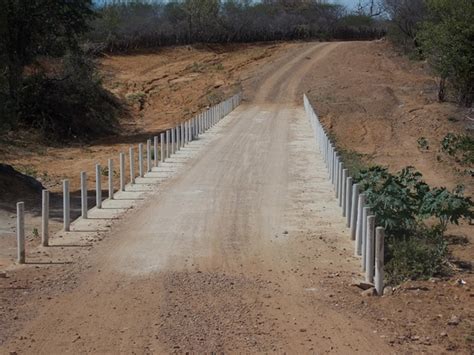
(155, 151)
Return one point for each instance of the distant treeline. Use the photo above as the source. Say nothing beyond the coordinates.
(124, 25)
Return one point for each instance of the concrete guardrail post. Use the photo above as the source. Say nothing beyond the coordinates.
(369, 251)
(342, 190)
(359, 225)
(20, 232)
(365, 213)
(354, 205)
(162, 147)
(111, 178)
(45, 218)
(98, 186)
(167, 143)
(122, 171)
(132, 166)
(84, 194)
(155, 151)
(173, 136)
(148, 155)
(379, 260)
(140, 159)
(348, 201)
(178, 137)
(66, 206)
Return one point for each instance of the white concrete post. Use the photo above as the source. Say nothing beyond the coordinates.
(167, 143)
(369, 251)
(354, 205)
(20, 232)
(173, 130)
(140, 159)
(358, 239)
(66, 206)
(330, 157)
(339, 182)
(186, 132)
(45, 218)
(132, 166)
(148, 155)
(333, 167)
(182, 134)
(342, 191)
(348, 201)
(98, 186)
(190, 129)
(122, 171)
(111, 179)
(155, 150)
(365, 213)
(379, 259)
(178, 137)
(83, 194)
(162, 147)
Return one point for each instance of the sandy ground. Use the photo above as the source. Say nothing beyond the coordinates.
(239, 248)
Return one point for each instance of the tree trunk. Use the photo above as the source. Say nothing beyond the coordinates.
(441, 90)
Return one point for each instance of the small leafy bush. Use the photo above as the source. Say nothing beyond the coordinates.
(459, 146)
(403, 204)
(419, 256)
(423, 143)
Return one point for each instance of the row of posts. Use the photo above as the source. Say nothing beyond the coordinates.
(169, 142)
(368, 239)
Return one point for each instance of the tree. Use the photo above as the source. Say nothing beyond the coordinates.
(407, 15)
(447, 39)
(32, 28)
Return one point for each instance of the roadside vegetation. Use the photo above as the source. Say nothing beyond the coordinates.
(442, 32)
(125, 25)
(415, 217)
(47, 83)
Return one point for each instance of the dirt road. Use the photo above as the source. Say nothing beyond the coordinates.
(232, 254)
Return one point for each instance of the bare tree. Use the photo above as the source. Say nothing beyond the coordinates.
(406, 14)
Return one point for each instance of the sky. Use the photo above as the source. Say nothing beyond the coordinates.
(349, 3)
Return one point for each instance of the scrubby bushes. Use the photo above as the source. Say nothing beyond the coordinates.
(441, 31)
(122, 25)
(46, 82)
(415, 217)
(71, 103)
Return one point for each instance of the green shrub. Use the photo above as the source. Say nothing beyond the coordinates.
(70, 104)
(423, 143)
(403, 203)
(419, 256)
(459, 146)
